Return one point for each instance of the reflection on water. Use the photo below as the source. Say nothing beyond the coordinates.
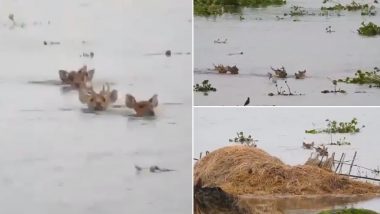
(299, 204)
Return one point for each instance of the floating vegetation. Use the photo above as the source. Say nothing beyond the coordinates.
(205, 87)
(340, 142)
(338, 127)
(335, 91)
(367, 77)
(297, 11)
(282, 92)
(240, 138)
(225, 69)
(329, 30)
(369, 11)
(369, 29)
(353, 6)
(218, 7)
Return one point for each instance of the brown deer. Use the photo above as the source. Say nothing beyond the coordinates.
(280, 72)
(142, 108)
(97, 101)
(76, 78)
(300, 74)
(308, 145)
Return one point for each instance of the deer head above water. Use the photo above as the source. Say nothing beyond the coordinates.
(76, 78)
(97, 101)
(142, 108)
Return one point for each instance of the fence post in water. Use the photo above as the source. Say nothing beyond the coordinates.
(341, 165)
(340, 161)
(352, 163)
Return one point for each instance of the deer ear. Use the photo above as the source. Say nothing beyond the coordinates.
(63, 75)
(130, 101)
(91, 74)
(154, 100)
(83, 69)
(113, 96)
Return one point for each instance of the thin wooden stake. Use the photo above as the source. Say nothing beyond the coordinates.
(340, 161)
(352, 163)
(341, 165)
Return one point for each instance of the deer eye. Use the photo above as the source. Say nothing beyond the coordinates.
(103, 99)
(91, 99)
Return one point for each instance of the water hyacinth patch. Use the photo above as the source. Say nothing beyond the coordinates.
(205, 87)
(218, 7)
(369, 29)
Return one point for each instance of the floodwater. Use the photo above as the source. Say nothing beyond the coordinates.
(54, 157)
(296, 45)
(281, 131)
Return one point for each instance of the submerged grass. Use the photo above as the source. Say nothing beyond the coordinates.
(218, 7)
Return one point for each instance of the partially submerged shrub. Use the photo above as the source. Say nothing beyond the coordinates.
(365, 77)
(338, 127)
(297, 11)
(218, 7)
(353, 6)
(369, 29)
(282, 92)
(240, 138)
(335, 83)
(205, 87)
(340, 142)
(368, 11)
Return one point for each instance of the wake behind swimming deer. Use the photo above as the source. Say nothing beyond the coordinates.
(142, 108)
(97, 101)
(77, 78)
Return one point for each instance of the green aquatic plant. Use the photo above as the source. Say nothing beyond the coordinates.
(353, 6)
(335, 7)
(369, 29)
(338, 127)
(364, 77)
(335, 91)
(368, 11)
(240, 138)
(205, 87)
(297, 11)
(340, 142)
(218, 7)
(349, 211)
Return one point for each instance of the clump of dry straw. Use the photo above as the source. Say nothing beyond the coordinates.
(242, 169)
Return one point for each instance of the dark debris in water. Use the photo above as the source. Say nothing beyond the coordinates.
(152, 169)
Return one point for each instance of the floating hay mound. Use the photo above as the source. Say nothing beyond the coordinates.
(246, 170)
